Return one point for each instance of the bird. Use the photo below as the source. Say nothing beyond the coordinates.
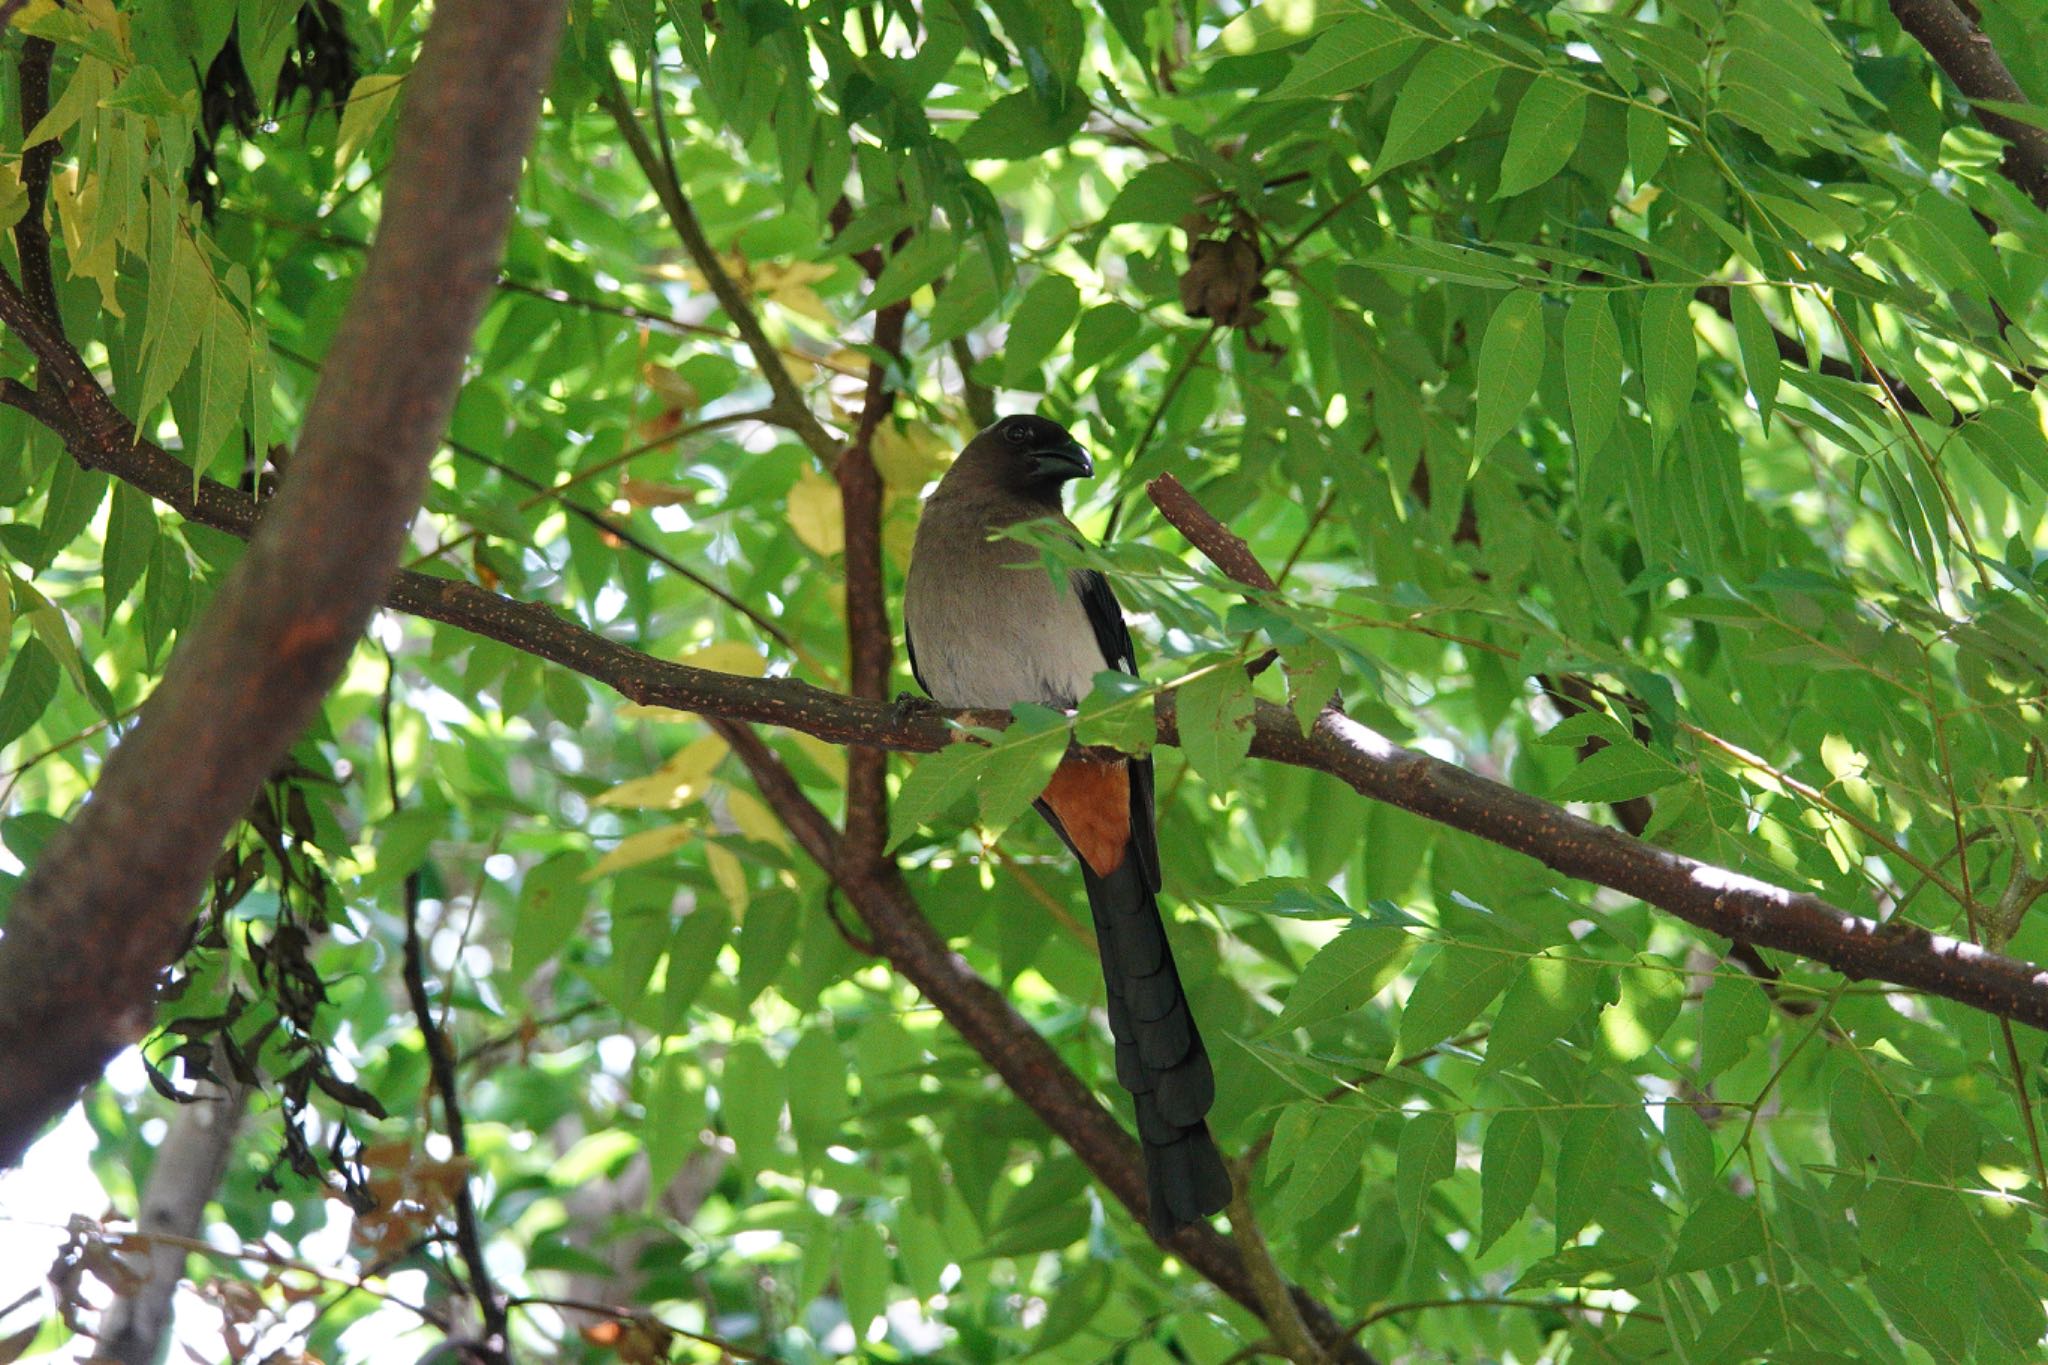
(985, 626)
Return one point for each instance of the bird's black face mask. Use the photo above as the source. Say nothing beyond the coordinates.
(1040, 454)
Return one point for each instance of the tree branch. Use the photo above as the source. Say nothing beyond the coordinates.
(1005, 1039)
(106, 905)
(495, 1348)
(1962, 51)
(182, 1181)
(868, 639)
(32, 234)
(1716, 899)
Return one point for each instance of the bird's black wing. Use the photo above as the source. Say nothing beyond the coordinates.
(910, 648)
(1113, 636)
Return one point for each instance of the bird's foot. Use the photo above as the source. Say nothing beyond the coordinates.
(909, 708)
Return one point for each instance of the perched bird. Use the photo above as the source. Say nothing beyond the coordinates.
(987, 627)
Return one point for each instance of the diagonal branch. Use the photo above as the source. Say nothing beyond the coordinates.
(1716, 899)
(1006, 1040)
(107, 904)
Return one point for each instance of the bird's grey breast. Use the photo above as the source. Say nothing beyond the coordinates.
(990, 627)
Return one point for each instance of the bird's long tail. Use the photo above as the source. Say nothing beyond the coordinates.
(1159, 1055)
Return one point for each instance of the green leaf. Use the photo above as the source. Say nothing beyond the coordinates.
(31, 686)
(1356, 52)
(223, 381)
(1723, 1228)
(1041, 320)
(1020, 763)
(1548, 123)
(1670, 359)
(1329, 1155)
(1550, 995)
(1163, 192)
(923, 259)
(1649, 139)
(1077, 1303)
(175, 315)
(969, 296)
(1345, 973)
(1104, 329)
(675, 1115)
(552, 897)
(1510, 367)
(935, 782)
(1617, 772)
(1019, 126)
(1458, 983)
(817, 1071)
(1649, 992)
(1118, 712)
(1314, 676)
(1592, 370)
(368, 103)
(131, 535)
(1759, 347)
(1733, 1014)
(1509, 1167)
(1428, 1152)
(1443, 96)
(750, 1092)
(1601, 1153)
(863, 1273)
(1215, 718)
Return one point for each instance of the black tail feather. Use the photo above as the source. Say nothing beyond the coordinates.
(1159, 1054)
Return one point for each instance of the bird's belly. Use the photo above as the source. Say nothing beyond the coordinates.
(975, 652)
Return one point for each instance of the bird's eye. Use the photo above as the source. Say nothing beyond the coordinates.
(1015, 434)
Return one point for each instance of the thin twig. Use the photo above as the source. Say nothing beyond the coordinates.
(497, 1341)
(789, 407)
(1276, 1304)
(554, 491)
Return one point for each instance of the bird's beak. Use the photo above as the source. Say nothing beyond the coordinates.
(1064, 461)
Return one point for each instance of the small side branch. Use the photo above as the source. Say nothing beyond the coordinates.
(1966, 56)
(790, 409)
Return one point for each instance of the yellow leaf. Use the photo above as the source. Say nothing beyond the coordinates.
(644, 847)
(32, 11)
(909, 459)
(728, 656)
(730, 876)
(815, 514)
(674, 784)
(13, 198)
(753, 819)
(635, 711)
(368, 103)
(76, 207)
(830, 758)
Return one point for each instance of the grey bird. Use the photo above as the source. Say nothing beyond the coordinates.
(986, 626)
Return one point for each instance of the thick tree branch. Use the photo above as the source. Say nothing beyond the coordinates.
(1716, 899)
(1006, 1040)
(1962, 51)
(106, 905)
(183, 1180)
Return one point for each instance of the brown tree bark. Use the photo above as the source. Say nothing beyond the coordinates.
(106, 906)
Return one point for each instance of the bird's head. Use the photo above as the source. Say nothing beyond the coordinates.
(1035, 456)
